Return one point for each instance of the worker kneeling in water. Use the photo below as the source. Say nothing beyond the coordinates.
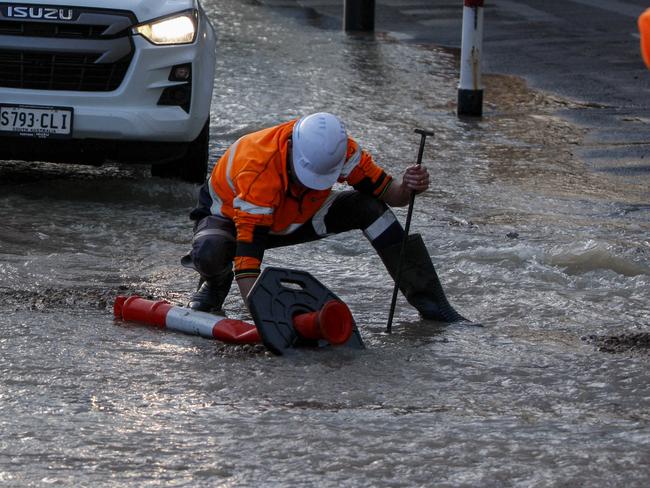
(273, 188)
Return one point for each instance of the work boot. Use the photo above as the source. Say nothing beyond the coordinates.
(211, 293)
(418, 280)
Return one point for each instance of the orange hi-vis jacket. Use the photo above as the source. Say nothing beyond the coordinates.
(250, 185)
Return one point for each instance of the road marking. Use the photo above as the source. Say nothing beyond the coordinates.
(529, 13)
(404, 3)
(613, 6)
(421, 11)
(400, 36)
(432, 12)
(318, 3)
(280, 3)
(440, 22)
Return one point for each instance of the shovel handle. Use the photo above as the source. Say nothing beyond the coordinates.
(423, 137)
(389, 326)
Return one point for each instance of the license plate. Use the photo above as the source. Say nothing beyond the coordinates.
(35, 121)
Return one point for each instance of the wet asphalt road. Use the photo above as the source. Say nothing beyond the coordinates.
(583, 50)
(551, 256)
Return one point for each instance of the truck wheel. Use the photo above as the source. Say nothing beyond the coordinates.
(193, 166)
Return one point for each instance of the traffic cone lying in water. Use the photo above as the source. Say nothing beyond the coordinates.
(284, 318)
(291, 308)
(332, 323)
(167, 316)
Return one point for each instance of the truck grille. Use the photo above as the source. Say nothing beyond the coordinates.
(89, 50)
(57, 31)
(60, 71)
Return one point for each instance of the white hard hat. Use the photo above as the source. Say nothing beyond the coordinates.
(320, 145)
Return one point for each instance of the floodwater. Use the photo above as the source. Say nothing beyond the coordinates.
(547, 254)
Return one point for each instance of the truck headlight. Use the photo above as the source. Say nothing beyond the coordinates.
(176, 29)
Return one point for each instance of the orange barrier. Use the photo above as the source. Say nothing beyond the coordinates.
(644, 30)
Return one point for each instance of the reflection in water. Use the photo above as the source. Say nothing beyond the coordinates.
(363, 55)
(527, 240)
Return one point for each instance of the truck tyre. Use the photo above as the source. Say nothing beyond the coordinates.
(193, 166)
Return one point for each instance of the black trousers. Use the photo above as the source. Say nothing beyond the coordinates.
(214, 242)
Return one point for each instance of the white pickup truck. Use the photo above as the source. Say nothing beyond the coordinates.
(84, 81)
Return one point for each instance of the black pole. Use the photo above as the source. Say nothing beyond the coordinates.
(389, 327)
(359, 15)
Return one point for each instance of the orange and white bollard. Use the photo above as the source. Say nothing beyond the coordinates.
(167, 316)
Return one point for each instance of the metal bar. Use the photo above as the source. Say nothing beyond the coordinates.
(389, 327)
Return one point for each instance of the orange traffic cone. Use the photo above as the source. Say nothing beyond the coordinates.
(333, 323)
